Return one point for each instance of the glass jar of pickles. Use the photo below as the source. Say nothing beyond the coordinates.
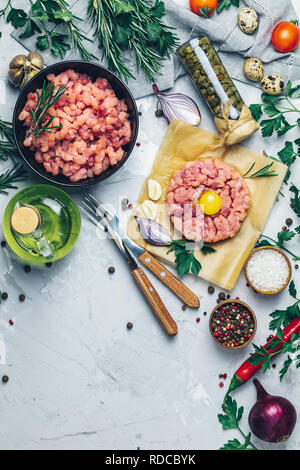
(210, 76)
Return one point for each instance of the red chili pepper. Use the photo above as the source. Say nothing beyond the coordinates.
(247, 370)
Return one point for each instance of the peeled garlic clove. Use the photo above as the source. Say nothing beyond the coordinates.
(154, 190)
(150, 209)
(16, 76)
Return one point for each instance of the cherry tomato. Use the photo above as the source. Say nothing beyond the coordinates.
(286, 37)
(195, 5)
(210, 202)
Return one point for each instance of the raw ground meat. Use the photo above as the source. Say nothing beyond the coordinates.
(185, 189)
(94, 128)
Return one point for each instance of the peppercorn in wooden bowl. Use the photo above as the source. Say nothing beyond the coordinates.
(268, 270)
(233, 324)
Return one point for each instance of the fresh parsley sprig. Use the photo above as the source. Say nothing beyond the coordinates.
(185, 257)
(280, 319)
(231, 420)
(282, 237)
(271, 106)
(41, 19)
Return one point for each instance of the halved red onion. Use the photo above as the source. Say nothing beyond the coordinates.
(178, 106)
(152, 232)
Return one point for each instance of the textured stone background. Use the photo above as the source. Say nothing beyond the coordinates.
(78, 378)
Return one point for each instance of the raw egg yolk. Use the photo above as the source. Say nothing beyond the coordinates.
(211, 202)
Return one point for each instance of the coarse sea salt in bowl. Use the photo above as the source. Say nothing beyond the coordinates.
(268, 270)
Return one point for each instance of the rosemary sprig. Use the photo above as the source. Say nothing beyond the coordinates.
(10, 177)
(46, 98)
(263, 172)
(134, 25)
(6, 131)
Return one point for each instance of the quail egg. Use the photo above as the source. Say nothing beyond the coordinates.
(254, 69)
(248, 20)
(272, 84)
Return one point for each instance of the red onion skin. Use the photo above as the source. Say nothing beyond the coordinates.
(271, 419)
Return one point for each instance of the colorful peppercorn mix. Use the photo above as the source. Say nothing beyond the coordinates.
(232, 324)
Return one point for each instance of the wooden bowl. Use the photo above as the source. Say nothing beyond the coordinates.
(238, 302)
(289, 266)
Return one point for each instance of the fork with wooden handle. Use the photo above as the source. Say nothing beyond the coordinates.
(144, 284)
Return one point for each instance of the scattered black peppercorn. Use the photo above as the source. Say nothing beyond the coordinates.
(221, 376)
(204, 313)
(27, 269)
(211, 289)
(3, 243)
(228, 296)
(140, 113)
(48, 265)
(289, 221)
(5, 379)
(129, 325)
(222, 296)
(21, 297)
(111, 270)
(296, 266)
(4, 295)
(183, 307)
(274, 366)
(159, 113)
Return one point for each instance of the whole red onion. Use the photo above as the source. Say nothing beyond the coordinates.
(271, 419)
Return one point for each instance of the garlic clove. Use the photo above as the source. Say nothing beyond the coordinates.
(16, 76)
(18, 62)
(36, 60)
(28, 76)
(150, 209)
(154, 190)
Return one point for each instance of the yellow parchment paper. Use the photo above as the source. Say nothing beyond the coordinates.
(183, 143)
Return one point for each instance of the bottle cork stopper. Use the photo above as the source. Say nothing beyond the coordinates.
(24, 220)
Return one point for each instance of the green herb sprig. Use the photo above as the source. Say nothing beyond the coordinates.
(185, 258)
(10, 177)
(231, 420)
(41, 19)
(282, 237)
(280, 319)
(263, 172)
(134, 25)
(46, 98)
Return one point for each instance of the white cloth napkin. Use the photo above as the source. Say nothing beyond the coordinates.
(232, 44)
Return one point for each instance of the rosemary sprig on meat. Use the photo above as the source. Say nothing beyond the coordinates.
(263, 172)
(132, 25)
(46, 99)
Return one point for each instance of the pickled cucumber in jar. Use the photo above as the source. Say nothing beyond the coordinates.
(210, 76)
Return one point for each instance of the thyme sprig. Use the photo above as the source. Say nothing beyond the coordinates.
(262, 172)
(46, 98)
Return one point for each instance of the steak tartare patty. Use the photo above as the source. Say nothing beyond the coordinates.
(185, 190)
(94, 126)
